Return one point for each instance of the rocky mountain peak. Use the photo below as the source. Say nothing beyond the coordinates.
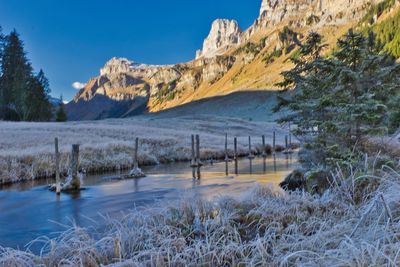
(122, 65)
(117, 65)
(223, 35)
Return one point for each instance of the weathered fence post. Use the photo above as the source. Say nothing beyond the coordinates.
(57, 154)
(263, 154)
(286, 144)
(226, 155)
(274, 142)
(193, 163)
(198, 163)
(235, 154)
(136, 172)
(75, 182)
(136, 160)
(251, 156)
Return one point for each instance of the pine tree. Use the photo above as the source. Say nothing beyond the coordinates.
(61, 115)
(24, 96)
(37, 106)
(338, 102)
(16, 74)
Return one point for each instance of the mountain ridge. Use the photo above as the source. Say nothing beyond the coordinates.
(230, 60)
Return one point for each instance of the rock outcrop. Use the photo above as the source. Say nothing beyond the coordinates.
(307, 12)
(223, 35)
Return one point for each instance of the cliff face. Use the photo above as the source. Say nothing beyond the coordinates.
(230, 60)
(300, 11)
(224, 34)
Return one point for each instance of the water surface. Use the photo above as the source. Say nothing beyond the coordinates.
(28, 210)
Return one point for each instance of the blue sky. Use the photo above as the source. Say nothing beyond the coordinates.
(72, 39)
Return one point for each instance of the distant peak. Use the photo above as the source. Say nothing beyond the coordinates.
(123, 65)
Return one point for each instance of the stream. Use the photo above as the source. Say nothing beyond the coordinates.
(29, 210)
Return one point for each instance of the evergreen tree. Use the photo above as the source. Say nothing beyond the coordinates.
(37, 106)
(24, 96)
(61, 115)
(338, 102)
(16, 74)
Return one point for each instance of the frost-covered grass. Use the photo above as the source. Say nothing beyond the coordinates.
(27, 149)
(355, 223)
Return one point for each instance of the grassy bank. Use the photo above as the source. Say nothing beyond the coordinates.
(355, 223)
(27, 149)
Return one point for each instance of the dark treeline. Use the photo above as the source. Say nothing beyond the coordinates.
(24, 94)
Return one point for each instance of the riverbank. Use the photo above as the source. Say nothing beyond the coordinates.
(27, 149)
(355, 223)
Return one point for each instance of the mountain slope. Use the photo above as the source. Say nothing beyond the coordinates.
(231, 60)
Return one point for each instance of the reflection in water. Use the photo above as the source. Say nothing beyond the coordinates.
(199, 171)
(287, 159)
(75, 194)
(264, 164)
(236, 166)
(136, 185)
(29, 210)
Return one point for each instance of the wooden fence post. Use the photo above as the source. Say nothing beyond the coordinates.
(251, 156)
(136, 160)
(75, 182)
(274, 142)
(57, 154)
(235, 154)
(286, 144)
(264, 155)
(193, 163)
(198, 156)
